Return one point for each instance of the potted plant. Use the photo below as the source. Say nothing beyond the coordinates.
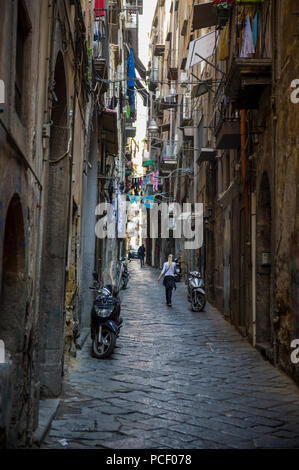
(223, 10)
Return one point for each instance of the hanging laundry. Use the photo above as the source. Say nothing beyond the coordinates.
(247, 47)
(131, 83)
(256, 28)
(99, 7)
(223, 52)
(149, 202)
(156, 181)
(113, 102)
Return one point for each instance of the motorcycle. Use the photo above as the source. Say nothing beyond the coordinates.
(196, 292)
(105, 318)
(178, 270)
(125, 274)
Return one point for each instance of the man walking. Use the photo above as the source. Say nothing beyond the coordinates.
(141, 252)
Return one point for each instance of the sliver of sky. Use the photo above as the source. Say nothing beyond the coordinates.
(145, 24)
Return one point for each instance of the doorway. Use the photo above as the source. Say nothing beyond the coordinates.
(13, 309)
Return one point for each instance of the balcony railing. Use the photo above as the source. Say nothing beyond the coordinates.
(226, 123)
(131, 20)
(132, 4)
(250, 68)
(169, 152)
(100, 41)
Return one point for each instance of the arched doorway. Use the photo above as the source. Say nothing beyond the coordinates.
(55, 239)
(263, 278)
(13, 309)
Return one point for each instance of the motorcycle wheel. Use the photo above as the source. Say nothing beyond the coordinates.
(104, 349)
(198, 302)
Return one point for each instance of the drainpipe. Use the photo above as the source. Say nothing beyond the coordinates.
(253, 265)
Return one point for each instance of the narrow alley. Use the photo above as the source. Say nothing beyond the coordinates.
(178, 380)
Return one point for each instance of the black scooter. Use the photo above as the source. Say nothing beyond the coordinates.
(178, 270)
(105, 319)
(196, 292)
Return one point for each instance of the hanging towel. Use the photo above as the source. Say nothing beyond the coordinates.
(247, 47)
(223, 53)
(256, 28)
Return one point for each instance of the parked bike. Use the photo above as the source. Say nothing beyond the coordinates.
(196, 292)
(105, 317)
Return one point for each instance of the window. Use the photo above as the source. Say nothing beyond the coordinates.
(23, 30)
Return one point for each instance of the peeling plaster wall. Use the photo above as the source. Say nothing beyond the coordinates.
(287, 191)
(19, 140)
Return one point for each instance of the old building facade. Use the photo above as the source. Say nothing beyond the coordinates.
(62, 151)
(228, 132)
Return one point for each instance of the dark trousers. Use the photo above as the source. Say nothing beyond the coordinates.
(168, 292)
(141, 261)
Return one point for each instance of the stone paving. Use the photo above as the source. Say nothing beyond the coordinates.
(178, 379)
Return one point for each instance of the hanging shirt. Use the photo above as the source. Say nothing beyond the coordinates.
(247, 47)
(156, 181)
(256, 28)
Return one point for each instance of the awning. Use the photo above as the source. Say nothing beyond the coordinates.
(201, 48)
(204, 15)
(109, 130)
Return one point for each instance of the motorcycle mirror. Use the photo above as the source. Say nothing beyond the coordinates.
(95, 276)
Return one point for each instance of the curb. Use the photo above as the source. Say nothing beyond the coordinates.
(82, 338)
(47, 411)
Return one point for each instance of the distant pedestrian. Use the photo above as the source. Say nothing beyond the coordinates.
(169, 280)
(141, 253)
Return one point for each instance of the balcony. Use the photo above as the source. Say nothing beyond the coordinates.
(132, 5)
(159, 50)
(130, 130)
(207, 155)
(168, 102)
(250, 71)
(228, 134)
(246, 80)
(100, 47)
(226, 123)
(131, 18)
(169, 155)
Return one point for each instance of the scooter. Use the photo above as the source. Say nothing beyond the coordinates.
(178, 270)
(105, 319)
(196, 292)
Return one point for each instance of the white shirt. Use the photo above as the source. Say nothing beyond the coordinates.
(167, 270)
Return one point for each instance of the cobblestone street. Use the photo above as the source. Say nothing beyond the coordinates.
(178, 379)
